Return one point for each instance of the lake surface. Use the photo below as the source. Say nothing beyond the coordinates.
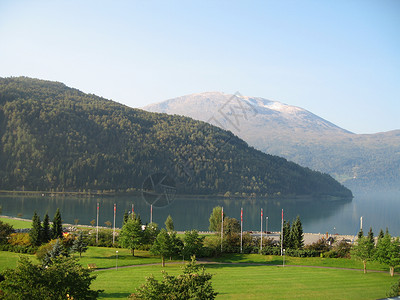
(317, 216)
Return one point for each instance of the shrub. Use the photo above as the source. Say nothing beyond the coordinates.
(21, 239)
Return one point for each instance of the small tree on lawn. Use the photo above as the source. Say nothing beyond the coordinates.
(194, 283)
(162, 246)
(364, 250)
(36, 232)
(56, 251)
(57, 225)
(287, 238)
(193, 243)
(79, 244)
(131, 235)
(64, 279)
(388, 252)
(169, 224)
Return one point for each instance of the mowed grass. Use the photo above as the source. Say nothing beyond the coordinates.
(17, 224)
(301, 261)
(259, 282)
(10, 259)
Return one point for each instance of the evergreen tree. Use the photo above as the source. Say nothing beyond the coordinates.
(46, 234)
(287, 239)
(360, 234)
(57, 250)
(57, 225)
(79, 244)
(169, 224)
(296, 234)
(36, 232)
(381, 234)
(371, 236)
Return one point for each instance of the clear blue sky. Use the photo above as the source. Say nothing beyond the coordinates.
(338, 59)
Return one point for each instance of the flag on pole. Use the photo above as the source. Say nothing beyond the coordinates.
(97, 224)
(241, 228)
(151, 213)
(282, 235)
(133, 210)
(261, 229)
(115, 213)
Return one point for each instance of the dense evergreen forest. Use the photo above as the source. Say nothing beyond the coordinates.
(56, 138)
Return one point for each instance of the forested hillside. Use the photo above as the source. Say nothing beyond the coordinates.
(57, 138)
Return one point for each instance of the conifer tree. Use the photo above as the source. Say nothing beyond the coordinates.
(36, 232)
(381, 234)
(169, 224)
(296, 234)
(371, 236)
(57, 225)
(46, 234)
(79, 244)
(125, 218)
(360, 234)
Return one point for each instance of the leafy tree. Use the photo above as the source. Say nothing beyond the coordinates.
(125, 218)
(131, 235)
(64, 279)
(215, 219)
(150, 233)
(194, 283)
(57, 225)
(162, 246)
(296, 234)
(394, 290)
(79, 244)
(364, 250)
(169, 224)
(193, 243)
(46, 234)
(231, 225)
(388, 252)
(36, 231)
(5, 231)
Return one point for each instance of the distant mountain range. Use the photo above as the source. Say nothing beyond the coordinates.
(360, 161)
(56, 138)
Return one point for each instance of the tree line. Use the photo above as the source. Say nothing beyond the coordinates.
(55, 138)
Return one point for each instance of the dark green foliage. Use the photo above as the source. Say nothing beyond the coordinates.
(57, 225)
(150, 233)
(360, 234)
(321, 245)
(231, 225)
(125, 218)
(381, 234)
(57, 138)
(79, 244)
(287, 238)
(54, 252)
(46, 232)
(169, 224)
(394, 290)
(371, 236)
(36, 231)
(194, 283)
(131, 235)
(5, 231)
(64, 279)
(296, 234)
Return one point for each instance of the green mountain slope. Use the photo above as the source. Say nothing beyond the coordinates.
(57, 138)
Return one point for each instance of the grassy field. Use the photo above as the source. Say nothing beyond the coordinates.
(17, 224)
(238, 279)
(259, 282)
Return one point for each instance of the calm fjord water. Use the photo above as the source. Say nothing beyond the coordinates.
(318, 216)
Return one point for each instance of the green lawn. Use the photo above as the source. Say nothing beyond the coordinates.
(10, 259)
(301, 261)
(17, 224)
(259, 282)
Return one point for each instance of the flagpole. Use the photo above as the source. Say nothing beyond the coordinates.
(241, 230)
(282, 235)
(133, 210)
(151, 213)
(115, 213)
(222, 225)
(261, 230)
(97, 226)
